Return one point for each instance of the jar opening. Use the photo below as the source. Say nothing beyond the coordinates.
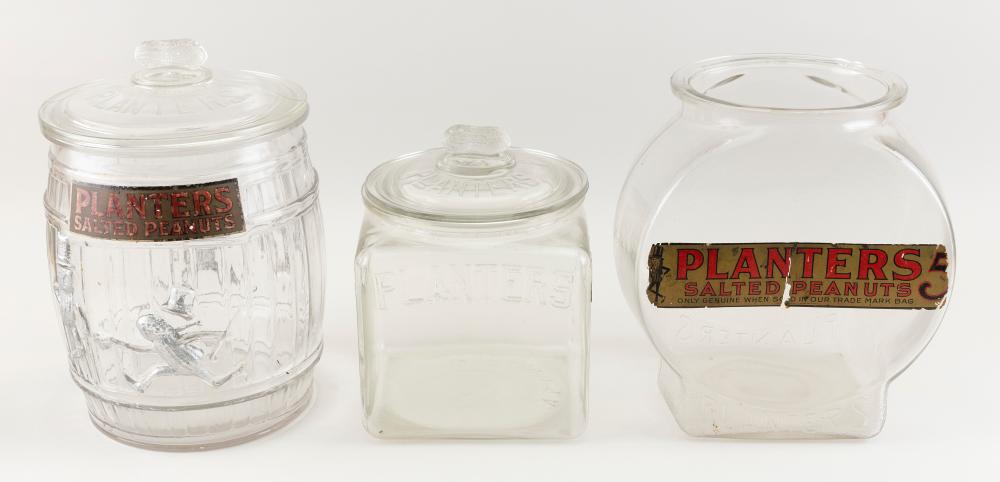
(789, 83)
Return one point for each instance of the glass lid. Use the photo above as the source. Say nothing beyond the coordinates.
(172, 101)
(477, 177)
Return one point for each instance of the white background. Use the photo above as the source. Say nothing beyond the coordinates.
(586, 80)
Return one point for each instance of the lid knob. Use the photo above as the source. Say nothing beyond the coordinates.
(168, 63)
(476, 150)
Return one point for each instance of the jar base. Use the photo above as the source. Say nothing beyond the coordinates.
(202, 428)
(798, 409)
(476, 392)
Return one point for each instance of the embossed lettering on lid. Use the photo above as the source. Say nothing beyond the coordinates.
(477, 177)
(172, 102)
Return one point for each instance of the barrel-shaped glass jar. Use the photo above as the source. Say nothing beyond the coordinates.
(186, 249)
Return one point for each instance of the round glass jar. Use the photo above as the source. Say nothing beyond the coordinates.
(473, 287)
(186, 249)
(783, 248)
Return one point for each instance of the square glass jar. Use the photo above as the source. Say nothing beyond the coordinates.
(474, 309)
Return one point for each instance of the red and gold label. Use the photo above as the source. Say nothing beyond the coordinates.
(156, 213)
(900, 276)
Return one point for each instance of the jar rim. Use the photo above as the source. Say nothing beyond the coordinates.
(682, 82)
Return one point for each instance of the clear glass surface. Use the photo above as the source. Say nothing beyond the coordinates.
(475, 328)
(197, 343)
(777, 148)
(173, 102)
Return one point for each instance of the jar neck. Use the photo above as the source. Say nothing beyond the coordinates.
(275, 152)
(778, 88)
(532, 227)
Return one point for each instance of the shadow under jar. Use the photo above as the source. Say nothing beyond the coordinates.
(185, 248)
(473, 290)
(783, 248)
